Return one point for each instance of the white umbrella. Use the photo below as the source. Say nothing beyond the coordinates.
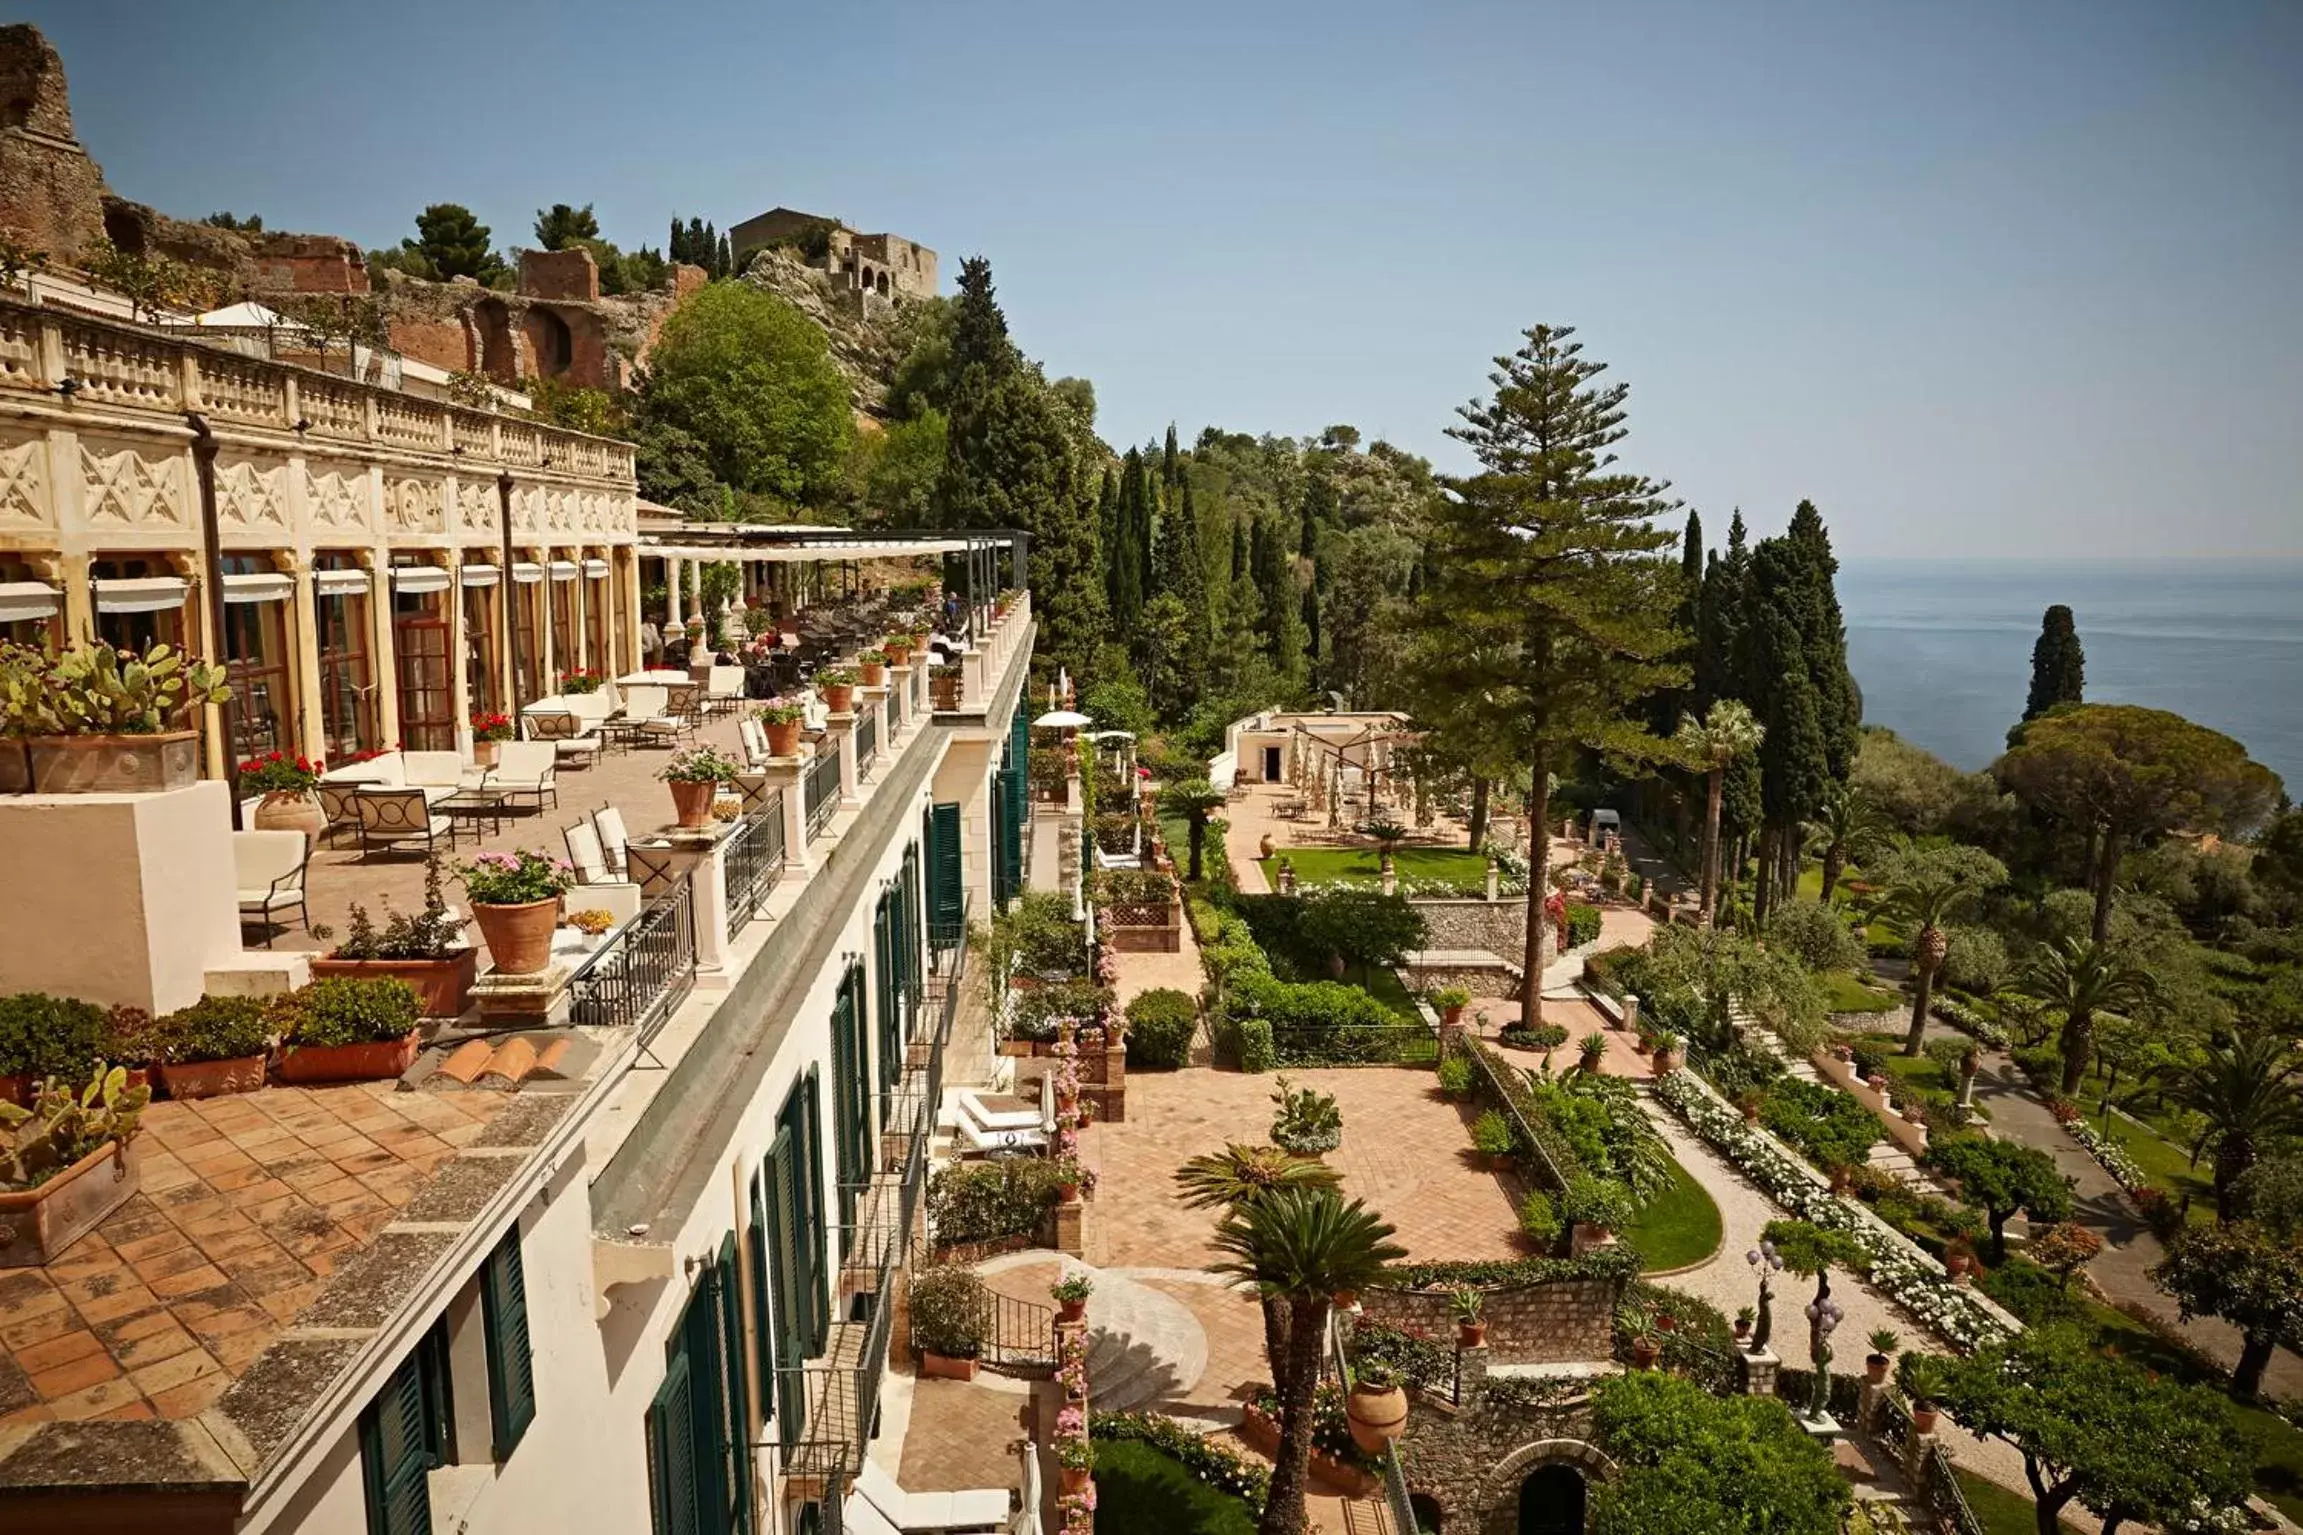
(1060, 719)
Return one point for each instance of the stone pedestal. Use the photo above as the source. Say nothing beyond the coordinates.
(1759, 1371)
(1631, 1012)
(1824, 1430)
(1918, 1453)
(1070, 1233)
(783, 775)
(118, 899)
(840, 733)
(523, 1001)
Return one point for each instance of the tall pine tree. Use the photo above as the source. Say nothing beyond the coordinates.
(2058, 664)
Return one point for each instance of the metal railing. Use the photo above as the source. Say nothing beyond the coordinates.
(867, 740)
(1397, 1504)
(1488, 1081)
(1019, 1335)
(822, 786)
(755, 861)
(1947, 1497)
(1354, 1045)
(643, 973)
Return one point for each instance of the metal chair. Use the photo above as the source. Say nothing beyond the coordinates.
(526, 768)
(269, 869)
(608, 822)
(583, 845)
(396, 817)
(340, 803)
(572, 741)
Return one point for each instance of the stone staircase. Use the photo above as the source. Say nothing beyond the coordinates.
(1144, 1346)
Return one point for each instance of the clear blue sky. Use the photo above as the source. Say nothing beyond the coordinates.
(1978, 278)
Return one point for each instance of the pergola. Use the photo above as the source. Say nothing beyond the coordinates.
(1322, 760)
(788, 544)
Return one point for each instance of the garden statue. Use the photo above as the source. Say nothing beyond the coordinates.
(1769, 1263)
(1823, 1318)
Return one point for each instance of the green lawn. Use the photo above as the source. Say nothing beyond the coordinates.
(2166, 1165)
(1677, 1227)
(1317, 865)
(1144, 1491)
(1999, 1511)
(1385, 986)
(1843, 993)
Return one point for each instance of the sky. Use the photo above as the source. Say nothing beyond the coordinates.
(1980, 279)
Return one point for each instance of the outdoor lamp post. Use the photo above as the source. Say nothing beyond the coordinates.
(1769, 1263)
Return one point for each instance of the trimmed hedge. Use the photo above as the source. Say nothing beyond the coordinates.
(1161, 1024)
(1615, 1262)
(1220, 1467)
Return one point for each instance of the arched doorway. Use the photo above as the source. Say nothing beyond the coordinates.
(1427, 1514)
(1551, 1501)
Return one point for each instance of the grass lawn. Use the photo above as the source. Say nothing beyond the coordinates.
(1144, 1491)
(1385, 986)
(2166, 1165)
(1677, 1227)
(1316, 865)
(1999, 1511)
(1843, 993)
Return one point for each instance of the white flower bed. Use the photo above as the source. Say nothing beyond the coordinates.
(1898, 1267)
(2107, 1151)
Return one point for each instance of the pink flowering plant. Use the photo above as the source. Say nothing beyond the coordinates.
(515, 879)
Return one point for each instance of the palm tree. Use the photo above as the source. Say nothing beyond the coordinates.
(1193, 799)
(2246, 1089)
(1301, 1245)
(1847, 824)
(1728, 731)
(2079, 977)
(1230, 1178)
(1926, 888)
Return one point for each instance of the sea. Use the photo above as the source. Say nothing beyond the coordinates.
(1942, 648)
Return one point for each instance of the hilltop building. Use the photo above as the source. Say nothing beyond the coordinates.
(884, 264)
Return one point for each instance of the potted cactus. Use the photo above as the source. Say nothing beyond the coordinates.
(1470, 1330)
(100, 720)
(66, 1163)
(1924, 1378)
(347, 1029)
(1591, 1052)
(217, 1045)
(1884, 1343)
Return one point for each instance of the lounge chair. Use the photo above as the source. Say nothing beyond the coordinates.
(723, 688)
(608, 821)
(396, 817)
(584, 853)
(526, 768)
(982, 1128)
(908, 1512)
(677, 719)
(269, 869)
(574, 741)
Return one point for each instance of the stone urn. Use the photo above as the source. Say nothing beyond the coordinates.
(1377, 1415)
(292, 810)
(1264, 845)
(519, 938)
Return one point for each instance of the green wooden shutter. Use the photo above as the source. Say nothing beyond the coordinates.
(947, 880)
(789, 1333)
(731, 1419)
(1019, 797)
(888, 991)
(815, 1278)
(764, 1306)
(672, 1448)
(397, 1451)
(851, 1092)
(511, 1361)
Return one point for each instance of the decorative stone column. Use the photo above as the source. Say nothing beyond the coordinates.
(1631, 1012)
(840, 731)
(783, 775)
(1759, 1370)
(383, 648)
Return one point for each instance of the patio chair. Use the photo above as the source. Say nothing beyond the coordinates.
(340, 803)
(608, 822)
(397, 817)
(908, 1512)
(654, 869)
(526, 768)
(723, 688)
(642, 702)
(584, 853)
(269, 869)
(573, 741)
(678, 717)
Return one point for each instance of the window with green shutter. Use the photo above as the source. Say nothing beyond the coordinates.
(947, 879)
(699, 1459)
(404, 1433)
(511, 1361)
(851, 1092)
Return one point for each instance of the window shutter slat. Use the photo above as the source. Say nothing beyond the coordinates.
(672, 1446)
(945, 875)
(511, 1359)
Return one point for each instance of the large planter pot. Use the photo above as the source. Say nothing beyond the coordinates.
(1261, 1432)
(783, 739)
(97, 764)
(1071, 1310)
(443, 986)
(875, 673)
(1376, 1417)
(15, 768)
(839, 698)
(212, 1079)
(292, 810)
(484, 753)
(1471, 1335)
(944, 692)
(1264, 845)
(37, 1225)
(1923, 1418)
(935, 1366)
(372, 1062)
(519, 937)
(692, 802)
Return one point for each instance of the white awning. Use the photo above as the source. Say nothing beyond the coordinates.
(27, 599)
(481, 575)
(562, 570)
(527, 573)
(259, 586)
(420, 578)
(595, 568)
(140, 594)
(340, 583)
(822, 552)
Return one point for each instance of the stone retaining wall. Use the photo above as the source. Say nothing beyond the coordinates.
(1498, 926)
(1569, 1321)
(1470, 1461)
(1496, 980)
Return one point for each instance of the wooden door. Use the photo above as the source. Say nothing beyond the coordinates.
(427, 687)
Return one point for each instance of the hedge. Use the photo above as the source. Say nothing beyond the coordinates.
(987, 1201)
(1161, 1023)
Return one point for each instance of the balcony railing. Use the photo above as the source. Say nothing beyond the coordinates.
(867, 741)
(823, 793)
(643, 973)
(755, 861)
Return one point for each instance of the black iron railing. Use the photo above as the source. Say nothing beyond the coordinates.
(1396, 1502)
(755, 861)
(1947, 1497)
(823, 792)
(1489, 1083)
(1354, 1044)
(642, 974)
(867, 740)
(1019, 1335)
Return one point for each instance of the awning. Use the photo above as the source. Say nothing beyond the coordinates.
(562, 570)
(259, 586)
(420, 578)
(140, 594)
(595, 568)
(340, 583)
(481, 575)
(826, 553)
(527, 573)
(27, 599)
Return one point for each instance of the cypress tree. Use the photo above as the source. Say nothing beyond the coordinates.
(1169, 468)
(1311, 622)
(1691, 570)
(727, 258)
(676, 248)
(699, 254)
(1823, 640)
(1128, 591)
(1107, 529)
(2058, 664)
(1780, 686)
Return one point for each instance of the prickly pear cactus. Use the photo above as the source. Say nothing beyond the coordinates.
(62, 1126)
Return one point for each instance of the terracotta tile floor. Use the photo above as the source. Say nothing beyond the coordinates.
(961, 1434)
(248, 1203)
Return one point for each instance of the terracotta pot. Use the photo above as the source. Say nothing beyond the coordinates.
(1644, 1353)
(1376, 1417)
(212, 1079)
(1914, 1114)
(1069, 1193)
(783, 738)
(944, 692)
(1955, 1264)
(1347, 1300)
(1751, 1114)
(484, 753)
(937, 1366)
(1666, 1322)
(443, 986)
(1264, 845)
(1742, 1330)
(875, 673)
(292, 810)
(1471, 1334)
(1074, 1478)
(1071, 1310)
(1875, 1368)
(898, 655)
(372, 1062)
(107, 764)
(1877, 1081)
(692, 803)
(15, 768)
(519, 938)
(16, 1090)
(1452, 1016)
(37, 1225)
(919, 644)
(840, 698)
(1923, 1418)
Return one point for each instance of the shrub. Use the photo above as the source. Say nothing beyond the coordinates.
(1454, 1077)
(1582, 924)
(1975, 960)
(347, 1010)
(1491, 1135)
(1318, 1022)
(1161, 1023)
(1361, 927)
(1601, 1202)
(949, 1304)
(1817, 933)
(1450, 996)
(1208, 1460)
(1256, 1052)
(216, 1029)
(1539, 1218)
(1614, 1262)
(43, 1036)
(1308, 1121)
(990, 1201)
(130, 1037)
(1545, 1036)
(1827, 1126)
(1038, 1009)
